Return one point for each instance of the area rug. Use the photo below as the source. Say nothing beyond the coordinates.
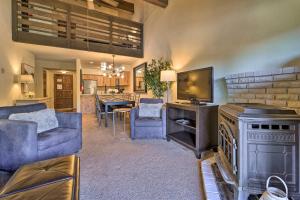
(118, 168)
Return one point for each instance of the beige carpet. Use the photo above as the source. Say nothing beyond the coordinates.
(121, 169)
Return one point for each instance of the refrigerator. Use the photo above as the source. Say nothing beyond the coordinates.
(89, 87)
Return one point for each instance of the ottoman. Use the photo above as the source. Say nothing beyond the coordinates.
(54, 179)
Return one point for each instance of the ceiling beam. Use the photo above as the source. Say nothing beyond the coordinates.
(116, 4)
(161, 3)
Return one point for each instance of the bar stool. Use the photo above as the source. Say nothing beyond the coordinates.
(120, 110)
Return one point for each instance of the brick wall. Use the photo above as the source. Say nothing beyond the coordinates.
(279, 87)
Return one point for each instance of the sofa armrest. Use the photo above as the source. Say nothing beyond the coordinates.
(164, 120)
(18, 143)
(69, 120)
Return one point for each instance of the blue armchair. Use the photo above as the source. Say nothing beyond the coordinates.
(148, 127)
(20, 144)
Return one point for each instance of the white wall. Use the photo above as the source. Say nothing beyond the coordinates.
(233, 36)
(42, 64)
(11, 57)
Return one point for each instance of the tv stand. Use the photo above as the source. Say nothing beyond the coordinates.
(200, 133)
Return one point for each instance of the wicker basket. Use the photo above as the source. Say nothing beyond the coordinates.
(273, 193)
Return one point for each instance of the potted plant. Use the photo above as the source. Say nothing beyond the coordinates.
(152, 77)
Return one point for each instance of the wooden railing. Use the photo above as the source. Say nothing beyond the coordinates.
(54, 23)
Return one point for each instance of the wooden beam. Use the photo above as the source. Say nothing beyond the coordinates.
(117, 5)
(161, 3)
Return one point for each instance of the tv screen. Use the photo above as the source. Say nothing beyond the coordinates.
(196, 85)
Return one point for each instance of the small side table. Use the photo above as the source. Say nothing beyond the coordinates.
(120, 110)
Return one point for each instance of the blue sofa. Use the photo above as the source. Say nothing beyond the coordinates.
(20, 144)
(148, 127)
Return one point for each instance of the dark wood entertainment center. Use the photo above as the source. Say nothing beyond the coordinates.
(200, 134)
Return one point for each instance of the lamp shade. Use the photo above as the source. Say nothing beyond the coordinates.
(26, 79)
(167, 76)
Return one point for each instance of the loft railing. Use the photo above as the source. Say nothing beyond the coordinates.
(54, 23)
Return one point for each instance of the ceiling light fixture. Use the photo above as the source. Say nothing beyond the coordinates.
(111, 70)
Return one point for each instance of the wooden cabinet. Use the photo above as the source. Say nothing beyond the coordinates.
(109, 82)
(100, 81)
(89, 77)
(126, 79)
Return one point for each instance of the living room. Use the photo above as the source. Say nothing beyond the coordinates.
(111, 79)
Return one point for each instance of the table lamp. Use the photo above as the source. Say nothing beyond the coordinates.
(168, 76)
(25, 79)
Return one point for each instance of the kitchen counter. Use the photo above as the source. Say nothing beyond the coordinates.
(87, 103)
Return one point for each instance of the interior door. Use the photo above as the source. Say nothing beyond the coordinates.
(63, 91)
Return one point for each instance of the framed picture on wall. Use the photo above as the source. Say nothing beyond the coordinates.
(139, 85)
(27, 69)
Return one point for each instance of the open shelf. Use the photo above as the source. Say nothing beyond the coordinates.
(185, 138)
(191, 125)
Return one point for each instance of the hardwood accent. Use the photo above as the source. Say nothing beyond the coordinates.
(102, 6)
(161, 3)
(121, 5)
(44, 83)
(109, 82)
(126, 80)
(63, 91)
(59, 24)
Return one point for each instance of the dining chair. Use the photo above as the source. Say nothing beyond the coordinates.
(100, 111)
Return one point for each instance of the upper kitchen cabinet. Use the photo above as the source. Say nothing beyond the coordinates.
(126, 79)
(109, 82)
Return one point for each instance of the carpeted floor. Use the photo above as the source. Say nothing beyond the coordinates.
(117, 168)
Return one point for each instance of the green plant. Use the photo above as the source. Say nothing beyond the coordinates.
(152, 76)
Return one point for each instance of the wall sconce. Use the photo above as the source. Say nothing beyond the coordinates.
(25, 80)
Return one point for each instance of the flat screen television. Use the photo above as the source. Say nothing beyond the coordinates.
(196, 85)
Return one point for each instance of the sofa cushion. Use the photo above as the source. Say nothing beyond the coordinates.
(55, 137)
(150, 110)
(45, 119)
(148, 122)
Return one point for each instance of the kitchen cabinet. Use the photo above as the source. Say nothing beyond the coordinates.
(89, 77)
(109, 82)
(100, 81)
(126, 79)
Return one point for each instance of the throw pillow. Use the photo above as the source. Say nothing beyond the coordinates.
(150, 110)
(45, 119)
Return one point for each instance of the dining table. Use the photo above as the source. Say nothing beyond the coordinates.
(110, 101)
